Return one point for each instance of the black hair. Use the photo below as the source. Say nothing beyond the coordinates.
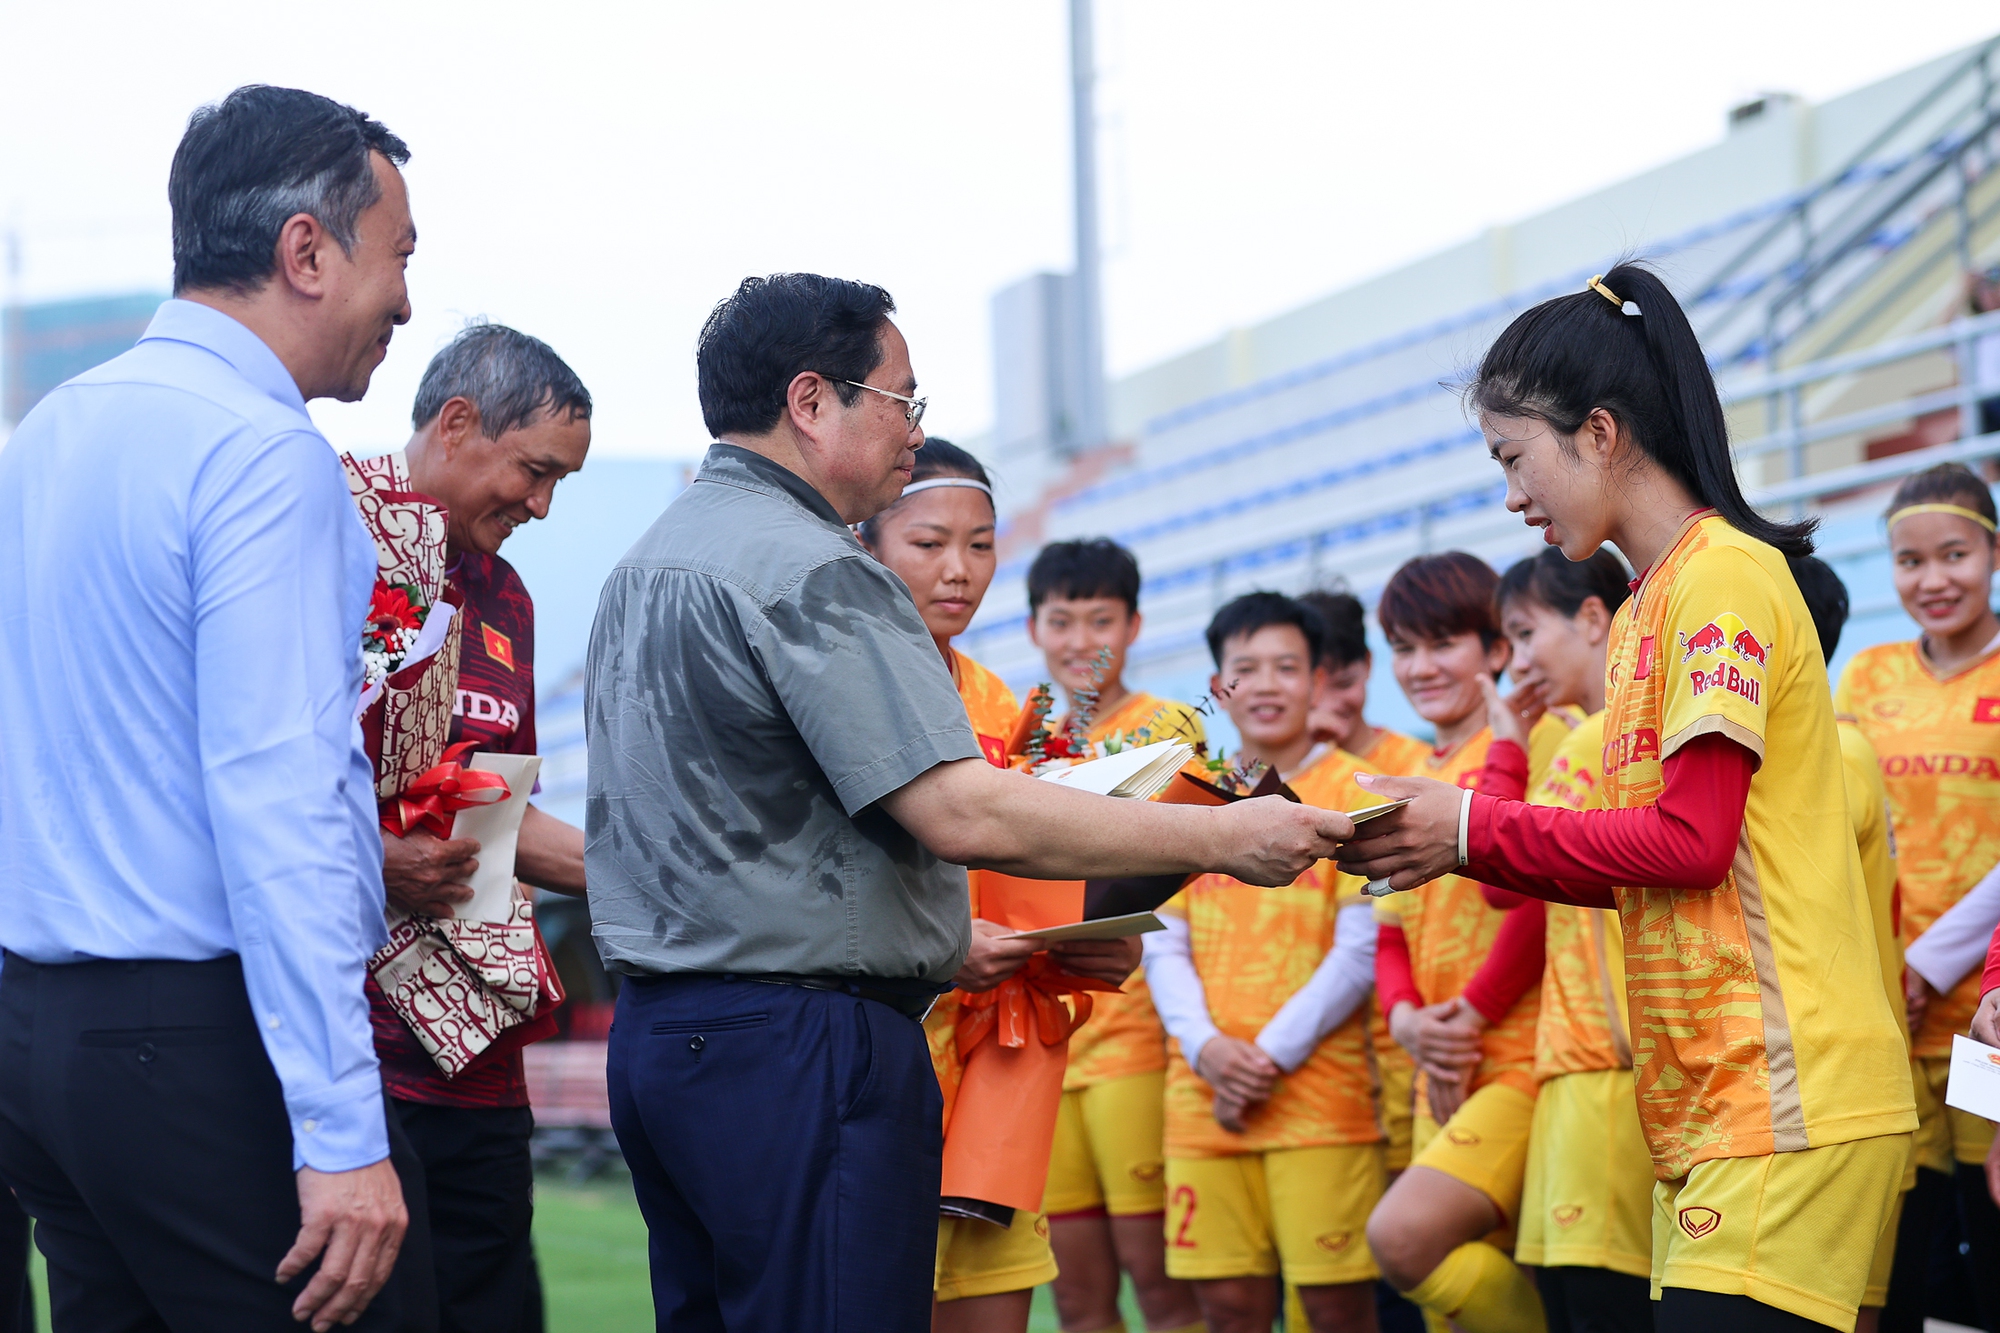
(1439, 596)
(769, 331)
(1245, 615)
(938, 458)
(1074, 571)
(1573, 354)
(509, 378)
(1564, 585)
(1826, 599)
(1346, 626)
(1945, 483)
(256, 159)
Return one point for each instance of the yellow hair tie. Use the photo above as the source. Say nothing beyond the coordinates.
(1627, 307)
(1959, 510)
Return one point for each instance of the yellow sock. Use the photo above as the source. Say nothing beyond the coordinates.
(1434, 1322)
(1482, 1291)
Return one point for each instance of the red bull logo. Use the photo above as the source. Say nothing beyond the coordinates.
(1728, 635)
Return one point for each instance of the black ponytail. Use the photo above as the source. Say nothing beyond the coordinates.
(1571, 355)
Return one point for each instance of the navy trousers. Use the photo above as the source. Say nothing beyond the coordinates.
(785, 1147)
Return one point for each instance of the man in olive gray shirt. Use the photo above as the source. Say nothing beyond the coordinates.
(784, 789)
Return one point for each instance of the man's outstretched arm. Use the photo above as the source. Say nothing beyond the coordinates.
(974, 814)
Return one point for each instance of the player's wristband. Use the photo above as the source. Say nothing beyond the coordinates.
(1464, 827)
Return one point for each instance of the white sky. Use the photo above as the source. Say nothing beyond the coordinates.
(600, 175)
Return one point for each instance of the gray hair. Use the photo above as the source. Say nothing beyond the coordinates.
(509, 378)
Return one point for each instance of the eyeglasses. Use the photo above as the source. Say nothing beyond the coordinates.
(913, 408)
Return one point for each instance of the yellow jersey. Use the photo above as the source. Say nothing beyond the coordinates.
(1939, 744)
(1253, 949)
(1582, 1028)
(1757, 1015)
(991, 708)
(1875, 840)
(1395, 755)
(1123, 1035)
(1451, 928)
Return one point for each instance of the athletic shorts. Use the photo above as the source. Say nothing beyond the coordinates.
(980, 1259)
(1946, 1136)
(1587, 1199)
(1484, 1144)
(1299, 1211)
(1877, 1294)
(1794, 1230)
(1108, 1151)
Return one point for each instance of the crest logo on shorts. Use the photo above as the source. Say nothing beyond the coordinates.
(1148, 1171)
(1464, 1138)
(1566, 1214)
(1698, 1222)
(1333, 1242)
(1041, 1226)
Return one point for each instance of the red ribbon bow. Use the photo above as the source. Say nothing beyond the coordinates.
(1037, 989)
(439, 792)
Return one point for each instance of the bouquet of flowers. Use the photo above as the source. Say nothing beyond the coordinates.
(458, 984)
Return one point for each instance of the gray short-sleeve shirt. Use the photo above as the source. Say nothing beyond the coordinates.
(757, 681)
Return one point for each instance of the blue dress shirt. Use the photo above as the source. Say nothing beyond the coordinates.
(183, 581)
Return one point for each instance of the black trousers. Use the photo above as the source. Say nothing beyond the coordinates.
(479, 1188)
(143, 1127)
(1685, 1310)
(17, 1297)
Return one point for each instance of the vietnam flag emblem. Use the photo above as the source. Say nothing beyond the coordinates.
(498, 646)
(1986, 710)
(994, 749)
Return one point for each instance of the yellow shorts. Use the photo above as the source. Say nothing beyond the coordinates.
(979, 1259)
(1877, 1293)
(1587, 1199)
(1398, 1075)
(1945, 1134)
(1484, 1144)
(1108, 1150)
(1795, 1230)
(1299, 1211)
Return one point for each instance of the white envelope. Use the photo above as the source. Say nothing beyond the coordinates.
(1975, 1078)
(498, 829)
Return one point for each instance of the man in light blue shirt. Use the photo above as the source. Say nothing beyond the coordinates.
(190, 872)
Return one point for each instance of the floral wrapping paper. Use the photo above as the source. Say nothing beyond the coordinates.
(458, 984)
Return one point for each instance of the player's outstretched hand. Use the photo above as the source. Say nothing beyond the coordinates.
(1410, 846)
(1272, 841)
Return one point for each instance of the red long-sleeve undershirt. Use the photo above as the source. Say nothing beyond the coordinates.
(1514, 964)
(1686, 840)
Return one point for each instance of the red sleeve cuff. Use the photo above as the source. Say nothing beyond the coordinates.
(1991, 979)
(1394, 980)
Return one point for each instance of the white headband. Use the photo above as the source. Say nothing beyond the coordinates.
(916, 486)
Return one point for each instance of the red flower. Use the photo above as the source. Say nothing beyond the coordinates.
(391, 609)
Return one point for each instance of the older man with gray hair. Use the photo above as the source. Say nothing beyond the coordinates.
(500, 419)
